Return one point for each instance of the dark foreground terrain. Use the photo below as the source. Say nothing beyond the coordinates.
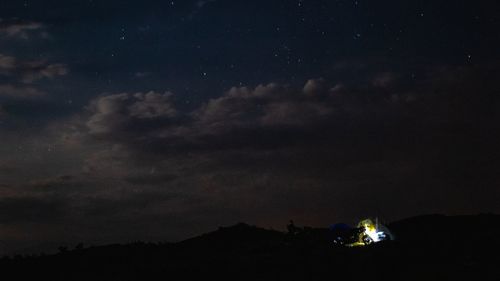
(427, 248)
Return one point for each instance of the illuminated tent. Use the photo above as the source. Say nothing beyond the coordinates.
(373, 232)
(367, 232)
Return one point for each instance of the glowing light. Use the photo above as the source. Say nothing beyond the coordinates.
(372, 233)
(369, 233)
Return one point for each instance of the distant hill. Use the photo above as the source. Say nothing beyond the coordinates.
(451, 229)
(427, 248)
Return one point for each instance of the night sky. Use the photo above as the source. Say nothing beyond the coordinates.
(159, 120)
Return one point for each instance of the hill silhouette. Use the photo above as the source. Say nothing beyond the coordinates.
(431, 247)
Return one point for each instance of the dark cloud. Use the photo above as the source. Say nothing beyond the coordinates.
(31, 209)
(277, 115)
(266, 105)
(7, 63)
(152, 121)
(62, 183)
(16, 73)
(283, 149)
(317, 153)
(20, 96)
(20, 92)
(17, 28)
(150, 179)
(30, 71)
(39, 70)
(118, 113)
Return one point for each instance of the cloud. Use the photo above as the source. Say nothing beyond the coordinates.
(7, 62)
(383, 80)
(270, 115)
(16, 210)
(121, 112)
(318, 152)
(52, 183)
(150, 179)
(30, 71)
(316, 87)
(38, 70)
(16, 28)
(295, 113)
(20, 92)
(148, 130)
(151, 121)
(277, 115)
(266, 105)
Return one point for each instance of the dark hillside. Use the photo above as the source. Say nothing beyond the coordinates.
(427, 248)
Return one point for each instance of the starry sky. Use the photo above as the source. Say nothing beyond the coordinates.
(159, 120)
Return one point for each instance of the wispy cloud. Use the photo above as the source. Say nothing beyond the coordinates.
(30, 71)
(20, 28)
(19, 92)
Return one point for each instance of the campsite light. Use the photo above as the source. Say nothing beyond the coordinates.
(366, 232)
(372, 233)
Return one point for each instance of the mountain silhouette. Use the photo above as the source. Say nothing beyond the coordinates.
(433, 247)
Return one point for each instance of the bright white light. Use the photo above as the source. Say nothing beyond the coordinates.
(373, 233)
